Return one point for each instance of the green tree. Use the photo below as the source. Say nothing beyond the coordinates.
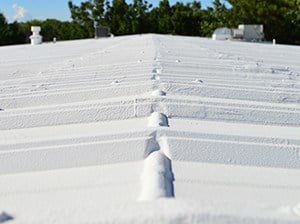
(87, 13)
(214, 17)
(117, 17)
(138, 15)
(10, 33)
(51, 28)
(186, 19)
(275, 15)
(292, 23)
(164, 17)
(3, 21)
(3, 27)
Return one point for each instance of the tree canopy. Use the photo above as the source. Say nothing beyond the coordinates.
(279, 17)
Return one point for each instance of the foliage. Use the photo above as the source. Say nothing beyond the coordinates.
(118, 18)
(51, 28)
(89, 12)
(186, 18)
(215, 17)
(277, 16)
(10, 33)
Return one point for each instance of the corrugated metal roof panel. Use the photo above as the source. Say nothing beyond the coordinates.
(150, 128)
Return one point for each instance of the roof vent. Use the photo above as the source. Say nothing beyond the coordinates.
(35, 38)
(246, 32)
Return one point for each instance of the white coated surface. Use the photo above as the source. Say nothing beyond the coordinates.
(150, 129)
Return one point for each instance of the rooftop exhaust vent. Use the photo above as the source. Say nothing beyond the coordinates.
(244, 32)
(35, 38)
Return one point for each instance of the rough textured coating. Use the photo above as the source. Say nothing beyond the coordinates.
(150, 129)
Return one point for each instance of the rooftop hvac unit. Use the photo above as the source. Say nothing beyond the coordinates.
(238, 33)
(223, 33)
(244, 32)
(101, 31)
(252, 32)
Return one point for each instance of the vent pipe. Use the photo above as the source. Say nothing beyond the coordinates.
(35, 38)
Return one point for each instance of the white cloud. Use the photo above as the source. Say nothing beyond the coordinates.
(19, 12)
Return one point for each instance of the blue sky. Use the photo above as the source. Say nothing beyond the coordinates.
(22, 10)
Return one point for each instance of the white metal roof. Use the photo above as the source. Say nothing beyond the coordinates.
(150, 128)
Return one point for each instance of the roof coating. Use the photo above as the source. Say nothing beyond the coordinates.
(150, 129)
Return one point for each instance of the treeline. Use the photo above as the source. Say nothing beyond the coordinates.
(281, 19)
(19, 33)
